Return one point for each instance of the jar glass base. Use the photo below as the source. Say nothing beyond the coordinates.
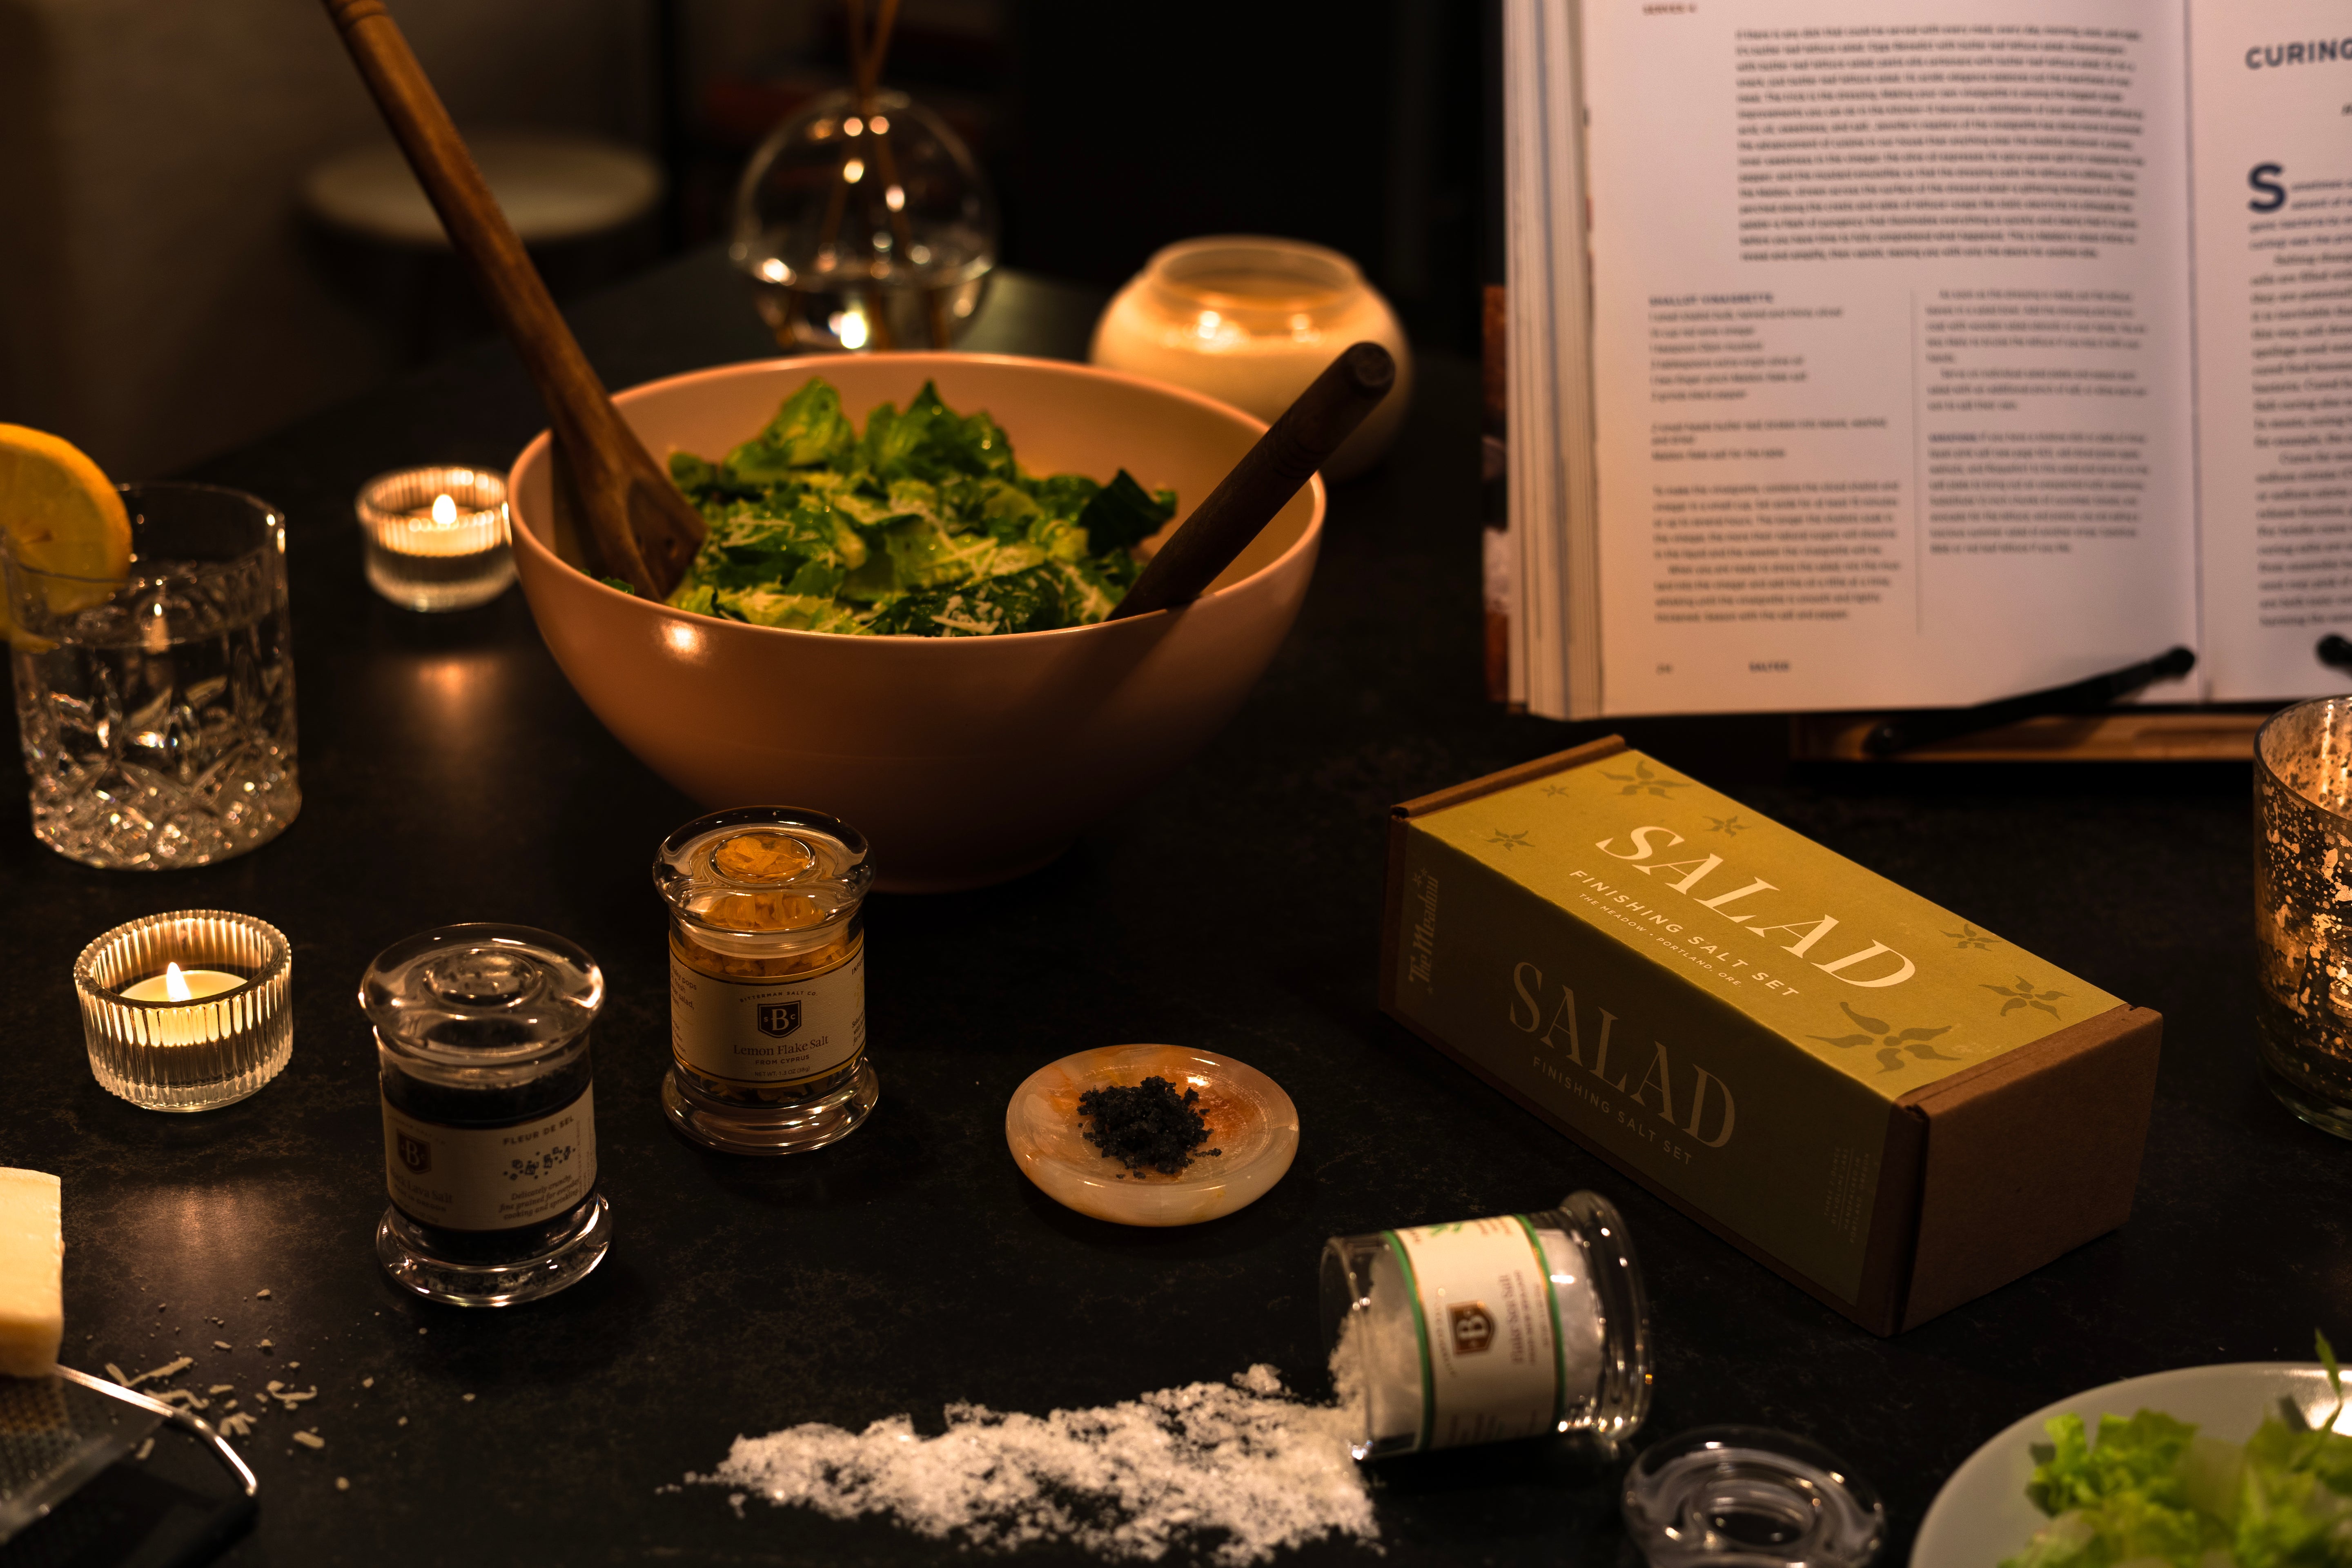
(792, 1129)
(2326, 1115)
(409, 1257)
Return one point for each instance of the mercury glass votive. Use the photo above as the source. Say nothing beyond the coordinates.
(436, 537)
(2303, 910)
(189, 1010)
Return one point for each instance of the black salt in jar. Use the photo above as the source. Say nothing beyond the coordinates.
(489, 1122)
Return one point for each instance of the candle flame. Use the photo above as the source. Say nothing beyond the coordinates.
(176, 984)
(445, 510)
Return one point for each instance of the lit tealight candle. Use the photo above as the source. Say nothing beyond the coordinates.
(189, 1037)
(436, 537)
(177, 984)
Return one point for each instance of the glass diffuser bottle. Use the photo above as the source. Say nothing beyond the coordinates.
(767, 969)
(864, 223)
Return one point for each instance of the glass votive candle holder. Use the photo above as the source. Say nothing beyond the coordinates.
(189, 1010)
(436, 537)
(2303, 910)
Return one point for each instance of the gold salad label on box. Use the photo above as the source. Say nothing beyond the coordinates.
(1717, 1002)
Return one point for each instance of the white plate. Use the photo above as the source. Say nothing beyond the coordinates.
(1983, 1516)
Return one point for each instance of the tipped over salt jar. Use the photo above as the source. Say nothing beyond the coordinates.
(1486, 1329)
(767, 979)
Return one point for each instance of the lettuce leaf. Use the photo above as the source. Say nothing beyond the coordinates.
(2153, 1490)
(1123, 514)
(922, 525)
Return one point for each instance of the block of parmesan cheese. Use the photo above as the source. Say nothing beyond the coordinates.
(32, 1274)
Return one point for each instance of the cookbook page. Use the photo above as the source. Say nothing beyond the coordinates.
(1892, 358)
(2271, 109)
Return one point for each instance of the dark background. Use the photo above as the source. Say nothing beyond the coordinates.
(1111, 130)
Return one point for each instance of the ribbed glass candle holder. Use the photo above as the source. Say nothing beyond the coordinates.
(203, 1052)
(436, 537)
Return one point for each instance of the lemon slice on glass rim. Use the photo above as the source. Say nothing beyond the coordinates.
(63, 520)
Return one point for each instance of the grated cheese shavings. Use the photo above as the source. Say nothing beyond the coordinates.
(310, 1439)
(172, 1368)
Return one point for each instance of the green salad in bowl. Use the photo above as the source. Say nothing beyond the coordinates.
(2153, 1491)
(922, 525)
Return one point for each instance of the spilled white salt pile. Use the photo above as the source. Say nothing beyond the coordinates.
(1237, 1470)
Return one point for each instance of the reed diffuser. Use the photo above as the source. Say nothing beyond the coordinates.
(863, 222)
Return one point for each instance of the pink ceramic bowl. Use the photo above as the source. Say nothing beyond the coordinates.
(965, 761)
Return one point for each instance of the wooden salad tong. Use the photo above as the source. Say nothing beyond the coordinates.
(639, 528)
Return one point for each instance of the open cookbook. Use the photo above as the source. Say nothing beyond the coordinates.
(1868, 356)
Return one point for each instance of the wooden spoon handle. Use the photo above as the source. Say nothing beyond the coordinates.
(643, 528)
(1266, 478)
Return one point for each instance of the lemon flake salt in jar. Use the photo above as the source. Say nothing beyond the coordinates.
(767, 979)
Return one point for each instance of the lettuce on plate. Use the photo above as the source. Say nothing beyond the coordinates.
(922, 525)
(2153, 1491)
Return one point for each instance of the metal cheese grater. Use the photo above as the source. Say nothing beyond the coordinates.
(57, 1432)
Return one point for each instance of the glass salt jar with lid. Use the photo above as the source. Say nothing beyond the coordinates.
(490, 1113)
(767, 979)
(1486, 1330)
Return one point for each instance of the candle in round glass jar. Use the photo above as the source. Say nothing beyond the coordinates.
(767, 975)
(436, 537)
(490, 1113)
(1250, 320)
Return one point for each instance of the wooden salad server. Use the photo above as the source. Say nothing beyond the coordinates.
(1263, 482)
(639, 528)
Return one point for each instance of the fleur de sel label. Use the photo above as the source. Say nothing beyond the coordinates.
(491, 1178)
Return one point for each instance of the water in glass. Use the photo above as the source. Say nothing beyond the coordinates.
(157, 713)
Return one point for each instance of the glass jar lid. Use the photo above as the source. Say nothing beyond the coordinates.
(482, 993)
(764, 869)
(1746, 1496)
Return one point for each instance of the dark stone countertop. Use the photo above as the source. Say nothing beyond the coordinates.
(449, 773)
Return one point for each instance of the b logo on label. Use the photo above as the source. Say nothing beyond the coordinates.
(779, 1018)
(1474, 1331)
(416, 1153)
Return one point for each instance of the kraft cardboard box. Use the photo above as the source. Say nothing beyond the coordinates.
(1889, 1106)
